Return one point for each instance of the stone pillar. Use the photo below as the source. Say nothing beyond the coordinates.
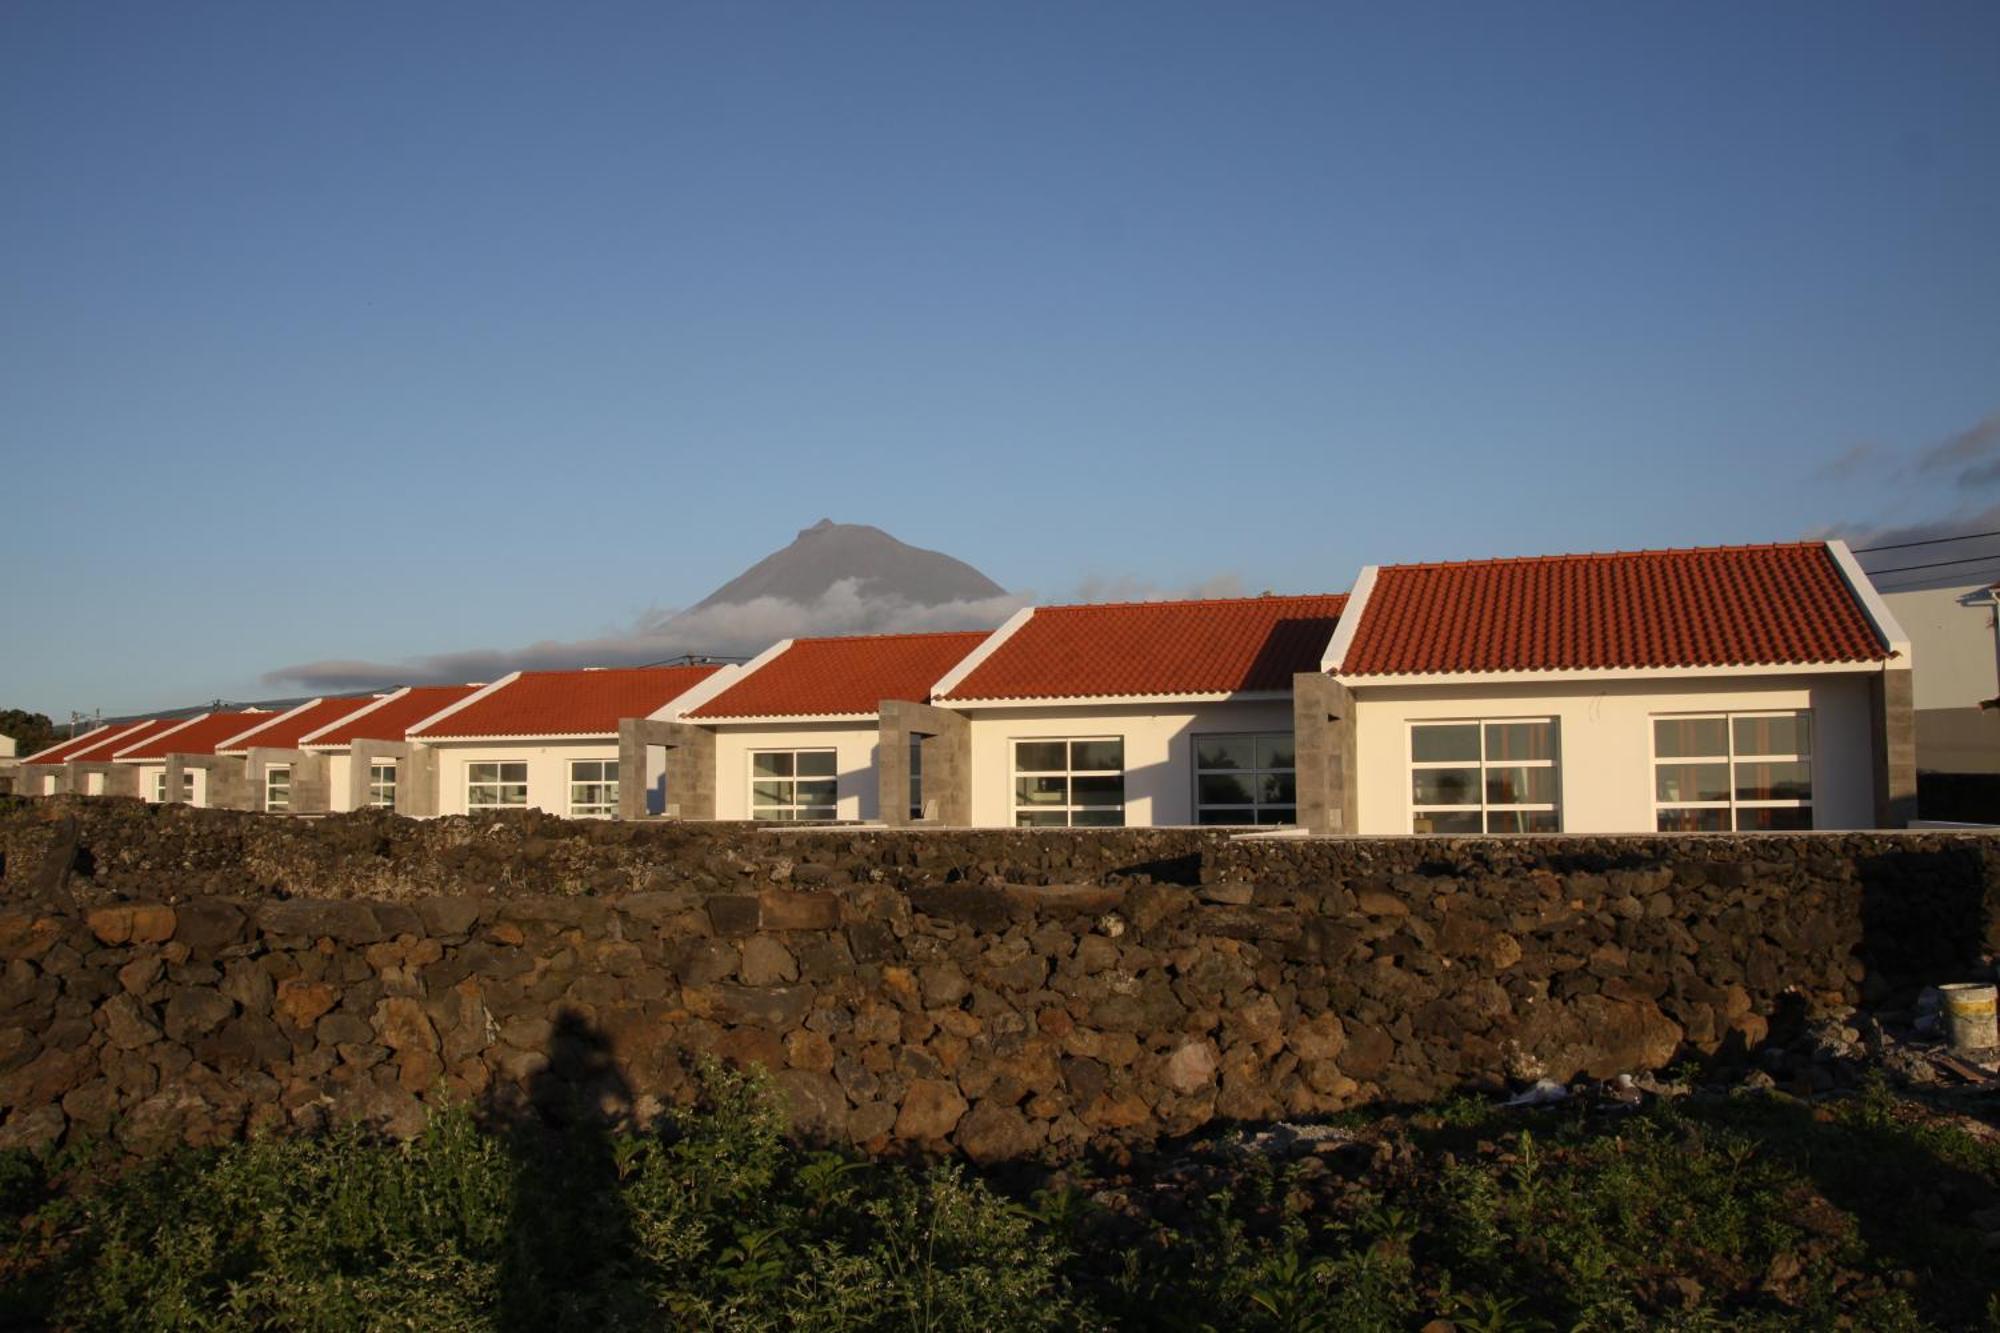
(119, 779)
(1895, 728)
(1323, 741)
(690, 771)
(946, 762)
(227, 782)
(312, 783)
(412, 790)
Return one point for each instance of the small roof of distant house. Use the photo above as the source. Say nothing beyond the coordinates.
(388, 717)
(64, 751)
(566, 703)
(842, 677)
(294, 726)
(1230, 645)
(1720, 606)
(201, 735)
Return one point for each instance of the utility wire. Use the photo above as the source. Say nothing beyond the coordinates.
(1936, 564)
(1934, 541)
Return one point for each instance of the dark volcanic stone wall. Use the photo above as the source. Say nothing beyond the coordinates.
(174, 974)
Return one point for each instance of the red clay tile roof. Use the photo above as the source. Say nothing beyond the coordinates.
(570, 703)
(198, 737)
(390, 720)
(829, 677)
(1144, 648)
(286, 735)
(1706, 607)
(90, 740)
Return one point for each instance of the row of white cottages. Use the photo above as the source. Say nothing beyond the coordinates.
(1713, 689)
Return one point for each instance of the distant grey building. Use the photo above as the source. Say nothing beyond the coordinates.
(1955, 645)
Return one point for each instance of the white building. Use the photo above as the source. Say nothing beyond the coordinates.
(1738, 688)
(1954, 636)
(546, 740)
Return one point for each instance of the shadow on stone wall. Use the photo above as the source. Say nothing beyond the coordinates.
(570, 1243)
(1926, 917)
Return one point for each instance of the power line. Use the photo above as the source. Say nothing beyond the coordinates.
(1936, 564)
(1934, 541)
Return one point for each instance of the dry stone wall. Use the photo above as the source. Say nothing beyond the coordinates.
(170, 974)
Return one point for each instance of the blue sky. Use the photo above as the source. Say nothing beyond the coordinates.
(379, 331)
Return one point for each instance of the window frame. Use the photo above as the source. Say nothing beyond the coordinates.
(1484, 808)
(606, 806)
(1729, 760)
(376, 785)
(1069, 807)
(160, 787)
(916, 776)
(499, 780)
(272, 773)
(1257, 804)
(794, 811)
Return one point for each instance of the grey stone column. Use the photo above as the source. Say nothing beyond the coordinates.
(119, 779)
(312, 782)
(690, 770)
(364, 754)
(947, 763)
(228, 784)
(1323, 740)
(1891, 694)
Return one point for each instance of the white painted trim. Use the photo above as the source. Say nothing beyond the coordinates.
(415, 729)
(306, 741)
(1871, 601)
(941, 691)
(1607, 673)
(229, 746)
(539, 738)
(715, 682)
(1350, 619)
(1125, 700)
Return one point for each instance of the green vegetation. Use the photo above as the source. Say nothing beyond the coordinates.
(1747, 1212)
(32, 732)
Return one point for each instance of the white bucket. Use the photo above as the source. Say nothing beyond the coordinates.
(1969, 1016)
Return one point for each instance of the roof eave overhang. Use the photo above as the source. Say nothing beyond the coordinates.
(1120, 700)
(1561, 676)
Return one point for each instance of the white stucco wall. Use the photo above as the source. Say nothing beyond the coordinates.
(149, 778)
(548, 769)
(1952, 648)
(339, 764)
(1605, 739)
(853, 744)
(1159, 751)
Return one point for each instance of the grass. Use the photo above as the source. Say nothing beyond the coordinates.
(1754, 1212)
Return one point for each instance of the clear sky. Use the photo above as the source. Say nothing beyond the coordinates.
(376, 331)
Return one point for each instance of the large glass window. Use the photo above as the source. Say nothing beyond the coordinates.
(1484, 776)
(593, 788)
(1748, 772)
(278, 789)
(794, 784)
(916, 777)
(1245, 779)
(1069, 783)
(496, 786)
(382, 786)
(160, 787)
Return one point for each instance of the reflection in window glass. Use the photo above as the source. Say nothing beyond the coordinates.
(593, 788)
(794, 785)
(1496, 776)
(1743, 771)
(1248, 778)
(1069, 783)
(496, 786)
